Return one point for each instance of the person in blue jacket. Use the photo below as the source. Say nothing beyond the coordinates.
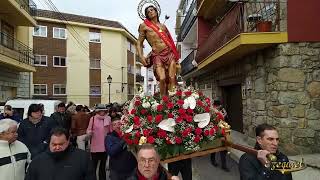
(122, 162)
(8, 113)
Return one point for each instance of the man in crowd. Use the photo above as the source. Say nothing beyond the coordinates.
(149, 165)
(79, 125)
(121, 162)
(253, 167)
(14, 155)
(61, 118)
(61, 161)
(34, 130)
(8, 113)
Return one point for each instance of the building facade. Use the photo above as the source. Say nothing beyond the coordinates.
(262, 60)
(16, 54)
(74, 56)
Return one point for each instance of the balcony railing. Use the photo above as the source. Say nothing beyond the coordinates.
(29, 6)
(243, 17)
(188, 21)
(187, 65)
(15, 49)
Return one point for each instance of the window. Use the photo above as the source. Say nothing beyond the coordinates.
(40, 89)
(95, 90)
(40, 60)
(40, 31)
(59, 61)
(59, 33)
(59, 89)
(95, 64)
(131, 47)
(94, 37)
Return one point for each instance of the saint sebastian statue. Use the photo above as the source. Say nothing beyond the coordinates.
(164, 56)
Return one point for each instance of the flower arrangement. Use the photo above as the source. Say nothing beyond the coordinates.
(183, 122)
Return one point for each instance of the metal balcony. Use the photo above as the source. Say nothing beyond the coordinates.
(18, 55)
(29, 6)
(247, 18)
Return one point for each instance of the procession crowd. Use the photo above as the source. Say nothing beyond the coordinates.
(74, 144)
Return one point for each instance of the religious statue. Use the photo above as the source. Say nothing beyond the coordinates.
(164, 56)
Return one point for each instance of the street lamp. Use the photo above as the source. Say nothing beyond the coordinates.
(109, 80)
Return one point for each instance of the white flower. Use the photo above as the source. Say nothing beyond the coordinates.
(189, 102)
(195, 95)
(130, 129)
(167, 125)
(202, 119)
(146, 105)
(154, 106)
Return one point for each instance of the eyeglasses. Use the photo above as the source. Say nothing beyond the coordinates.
(144, 161)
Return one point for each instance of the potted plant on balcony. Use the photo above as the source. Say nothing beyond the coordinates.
(264, 26)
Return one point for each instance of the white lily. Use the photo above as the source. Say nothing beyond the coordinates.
(167, 124)
(202, 119)
(146, 104)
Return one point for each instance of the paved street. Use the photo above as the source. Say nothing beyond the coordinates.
(203, 170)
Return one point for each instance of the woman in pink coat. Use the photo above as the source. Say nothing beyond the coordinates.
(99, 127)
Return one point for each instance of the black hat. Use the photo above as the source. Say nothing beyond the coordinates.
(116, 117)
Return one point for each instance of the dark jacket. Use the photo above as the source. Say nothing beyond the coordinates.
(119, 155)
(13, 117)
(75, 164)
(251, 168)
(35, 136)
(62, 120)
(163, 175)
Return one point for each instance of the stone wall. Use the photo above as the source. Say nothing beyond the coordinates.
(282, 87)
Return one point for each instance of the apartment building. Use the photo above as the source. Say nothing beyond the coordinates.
(74, 56)
(16, 54)
(262, 59)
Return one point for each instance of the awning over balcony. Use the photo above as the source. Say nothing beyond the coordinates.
(19, 12)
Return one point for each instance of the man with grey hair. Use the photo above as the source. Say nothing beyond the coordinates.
(14, 155)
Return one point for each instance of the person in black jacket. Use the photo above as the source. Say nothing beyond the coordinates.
(34, 131)
(253, 167)
(61, 161)
(61, 118)
(121, 162)
(149, 165)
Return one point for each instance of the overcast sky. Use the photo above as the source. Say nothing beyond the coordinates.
(123, 11)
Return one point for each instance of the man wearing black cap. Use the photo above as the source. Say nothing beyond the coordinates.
(122, 162)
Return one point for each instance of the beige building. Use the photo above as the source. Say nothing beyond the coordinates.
(16, 55)
(75, 54)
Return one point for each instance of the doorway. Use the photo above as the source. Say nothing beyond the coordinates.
(232, 101)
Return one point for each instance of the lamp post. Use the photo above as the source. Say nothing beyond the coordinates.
(109, 80)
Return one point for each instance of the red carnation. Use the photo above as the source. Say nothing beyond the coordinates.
(197, 139)
(150, 139)
(168, 141)
(199, 103)
(158, 118)
(146, 132)
(179, 93)
(170, 105)
(162, 134)
(198, 131)
(206, 132)
(170, 115)
(200, 93)
(150, 118)
(160, 107)
(136, 120)
(208, 101)
(180, 102)
(133, 111)
(207, 109)
(212, 131)
(136, 141)
(165, 98)
(190, 111)
(137, 103)
(179, 120)
(219, 115)
(189, 119)
(185, 133)
(138, 134)
(178, 140)
(143, 111)
(223, 132)
(129, 141)
(188, 93)
(182, 111)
